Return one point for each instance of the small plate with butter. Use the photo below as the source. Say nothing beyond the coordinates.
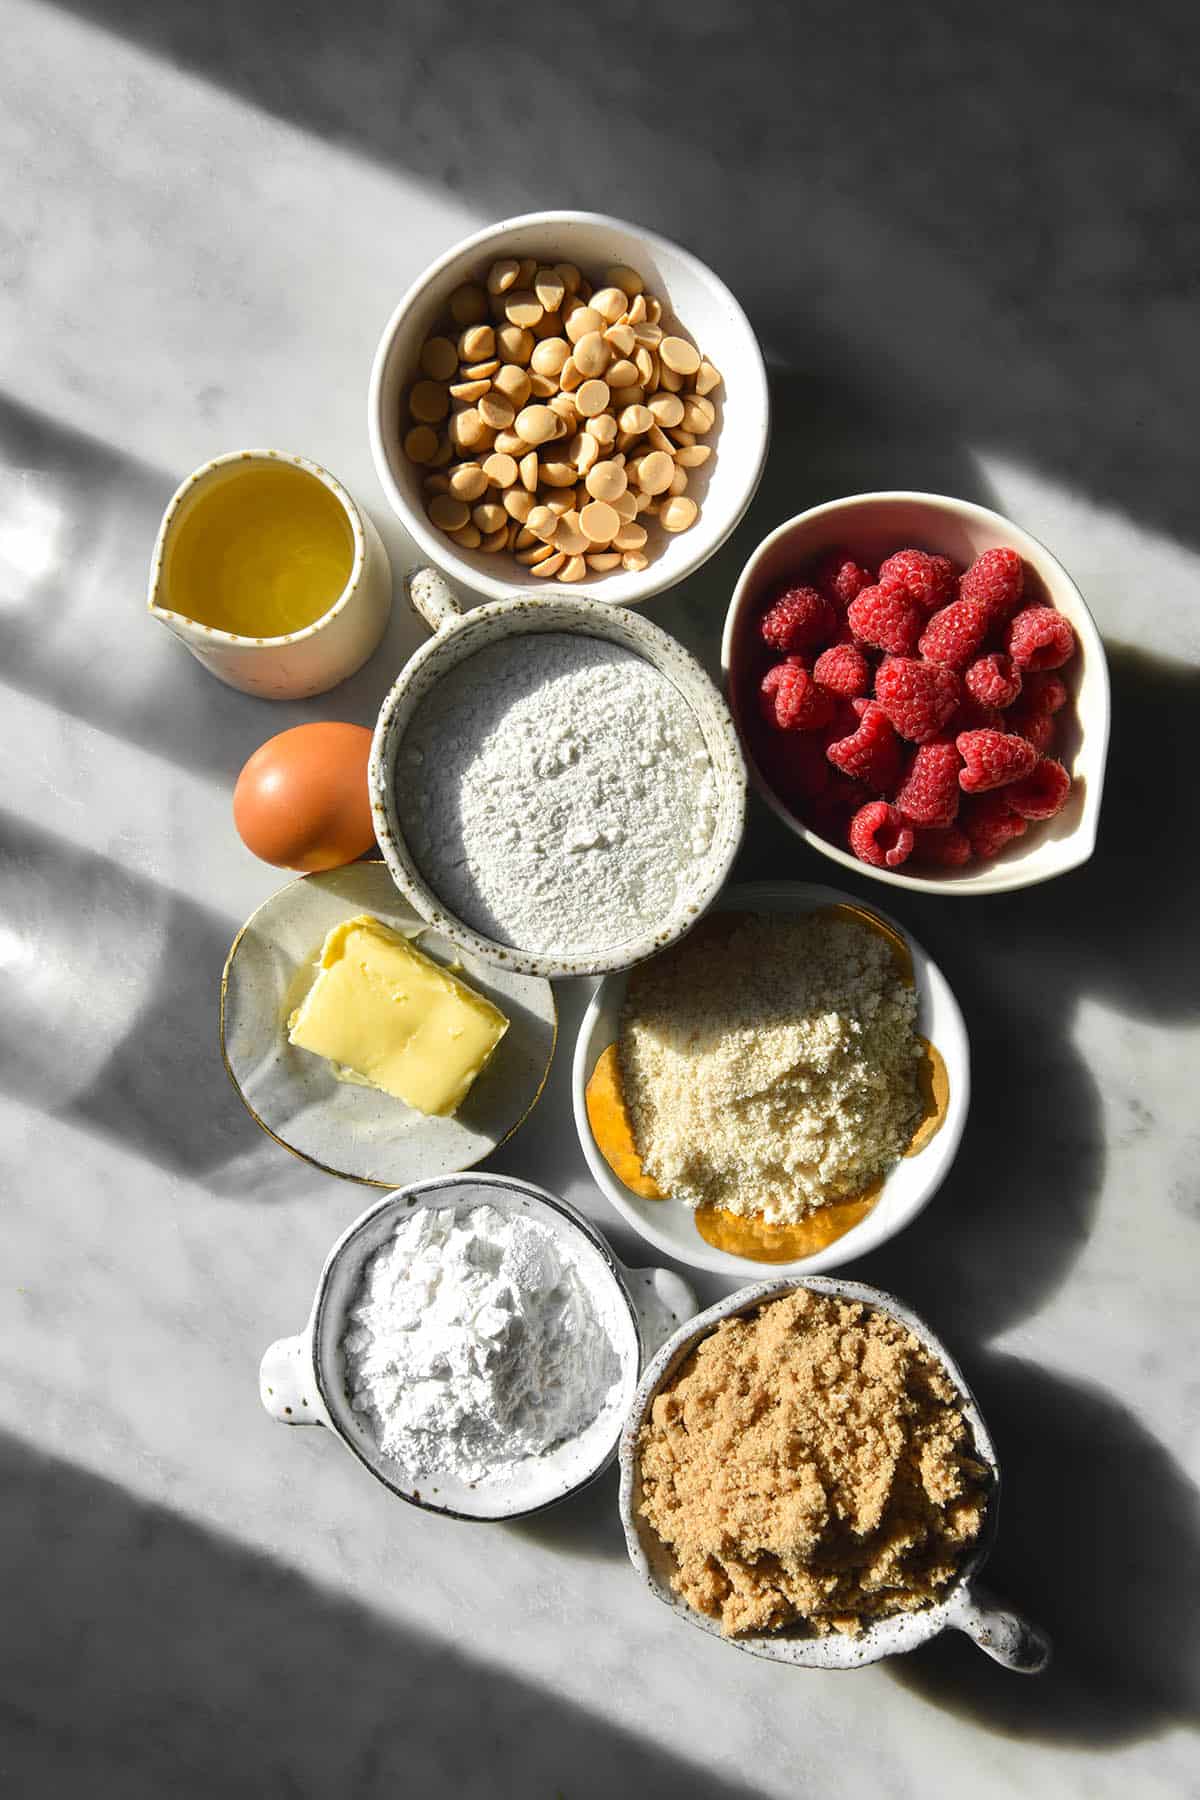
(363, 1041)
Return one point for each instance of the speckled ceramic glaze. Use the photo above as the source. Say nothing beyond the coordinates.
(345, 1129)
(706, 312)
(304, 662)
(872, 526)
(302, 1379)
(1005, 1635)
(459, 635)
(669, 1225)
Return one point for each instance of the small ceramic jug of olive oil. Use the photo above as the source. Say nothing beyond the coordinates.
(271, 575)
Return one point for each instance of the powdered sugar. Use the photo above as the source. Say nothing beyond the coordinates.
(557, 792)
(476, 1340)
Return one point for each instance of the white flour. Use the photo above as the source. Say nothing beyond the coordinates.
(557, 792)
(475, 1342)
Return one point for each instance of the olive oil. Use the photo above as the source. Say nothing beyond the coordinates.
(261, 553)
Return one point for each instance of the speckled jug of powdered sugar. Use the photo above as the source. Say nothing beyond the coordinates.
(307, 1379)
(460, 635)
(1004, 1634)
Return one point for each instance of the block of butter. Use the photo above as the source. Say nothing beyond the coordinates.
(392, 1018)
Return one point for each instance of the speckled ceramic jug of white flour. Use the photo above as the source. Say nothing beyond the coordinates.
(1005, 1635)
(459, 635)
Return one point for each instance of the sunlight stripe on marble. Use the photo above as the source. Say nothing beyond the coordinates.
(311, 230)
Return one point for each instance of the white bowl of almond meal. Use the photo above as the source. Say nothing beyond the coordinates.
(770, 1095)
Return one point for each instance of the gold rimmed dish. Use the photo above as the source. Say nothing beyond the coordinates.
(341, 1127)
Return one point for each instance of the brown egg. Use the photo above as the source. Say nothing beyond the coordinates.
(301, 802)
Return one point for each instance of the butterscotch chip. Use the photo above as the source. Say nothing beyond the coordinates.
(536, 424)
(439, 359)
(601, 561)
(679, 355)
(476, 343)
(592, 355)
(495, 410)
(470, 390)
(707, 378)
(468, 537)
(497, 540)
(550, 289)
(542, 522)
(549, 356)
(599, 522)
(634, 420)
(489, 516)
(692, 455)
(592, 398)
(605, 480)
(523, 308)
(810, 1468)
(428, 402)
(569, 275)
(667, 410)
(635, 562)
(528, 470)
(610, 303)
(513, 382)
(468, 482)
(447, 513)
(550, 565)
(500, 469)
(503, 275)
(421, 444)
(630, 536)
(468, 304)
(653, 472)
(678, 513)
(625, 278)
(621, 374)
(583, 320)
(515, 344)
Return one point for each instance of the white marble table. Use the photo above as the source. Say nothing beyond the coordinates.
(965, 249)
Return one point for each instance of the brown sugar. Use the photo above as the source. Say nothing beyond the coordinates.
(810, 1467)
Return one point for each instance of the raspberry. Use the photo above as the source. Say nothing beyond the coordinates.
(1036, 727)
(996, 581)
(796, 619)
(840, 578)
(1042, 794)
(918, 697)
(990, 823)
(971, 716)
(879, 836)
(947, 847)
(843, 669)
(954, 634)
(794, 764)
(992, 759)
(994, 680)
(929, 580)
(791, 699)
(1040, 638)
(872, 754)
(886, 618)
(1046, 693)
(929, 795)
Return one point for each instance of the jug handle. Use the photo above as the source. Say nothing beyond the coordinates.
(285, 1383)
(1005, 1635)
(433, 597)
(662, 1301)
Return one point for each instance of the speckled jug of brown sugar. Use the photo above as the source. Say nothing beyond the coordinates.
(1006, 1636)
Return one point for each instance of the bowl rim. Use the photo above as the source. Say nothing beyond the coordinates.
(434, 544)
(1004, 877)
(917, 1627)
(612, 625)
(851, 1245)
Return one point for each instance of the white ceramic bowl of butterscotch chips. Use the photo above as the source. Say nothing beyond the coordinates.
(791, 767)
(764, 1527)
(501, 453)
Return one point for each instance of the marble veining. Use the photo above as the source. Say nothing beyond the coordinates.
(966, 242)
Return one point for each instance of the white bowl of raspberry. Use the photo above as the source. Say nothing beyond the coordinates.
(921, 693)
